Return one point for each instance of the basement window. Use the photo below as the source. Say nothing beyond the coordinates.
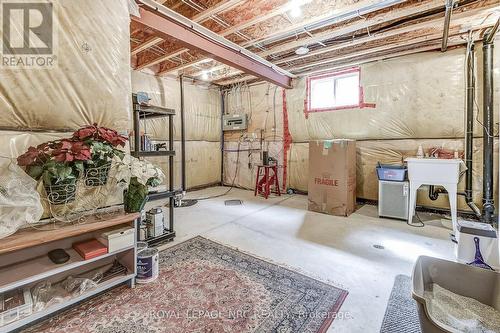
(334, 91)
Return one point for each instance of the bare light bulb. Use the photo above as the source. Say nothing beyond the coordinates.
(204, 75)
(296, 11)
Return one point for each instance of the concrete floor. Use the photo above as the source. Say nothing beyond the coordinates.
(335, 249)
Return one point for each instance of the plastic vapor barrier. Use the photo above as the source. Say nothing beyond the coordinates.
(419, 100)
(203, 163)
(13, 144)
(202, 111)
(89, 79)
(201, 105)
(416, 97)
(243, 173)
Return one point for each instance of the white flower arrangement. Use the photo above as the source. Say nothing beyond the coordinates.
(145, 172)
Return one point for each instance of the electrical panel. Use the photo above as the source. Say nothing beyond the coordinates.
(234, 122)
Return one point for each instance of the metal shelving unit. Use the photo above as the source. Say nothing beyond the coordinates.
(144, 112)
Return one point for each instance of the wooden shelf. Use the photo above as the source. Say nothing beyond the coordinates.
(39, 268)
(30, 237)
(56, 307)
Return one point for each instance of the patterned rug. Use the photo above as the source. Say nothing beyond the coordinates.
(207, 287)
(401, 314)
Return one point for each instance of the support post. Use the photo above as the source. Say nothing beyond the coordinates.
(183, 137)
(223, 111)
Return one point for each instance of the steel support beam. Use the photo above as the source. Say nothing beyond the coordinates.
(194, 36)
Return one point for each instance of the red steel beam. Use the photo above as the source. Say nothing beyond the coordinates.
(164, 26)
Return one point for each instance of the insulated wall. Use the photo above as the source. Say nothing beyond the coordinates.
(202, 126)
(88, 82)
(419, 100)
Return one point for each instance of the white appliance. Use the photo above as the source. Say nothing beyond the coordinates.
(487, 237)
(393, 199)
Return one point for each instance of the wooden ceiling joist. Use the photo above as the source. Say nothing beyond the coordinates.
(372, 50)
(464, 16)
(236, 80)
(395, 14)
(161, 59)
(336, 16)
(361, 7)
(152, 41)
(277, 11)
(168, 24)
(217, 9)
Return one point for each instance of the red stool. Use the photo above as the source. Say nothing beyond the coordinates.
(266, 179)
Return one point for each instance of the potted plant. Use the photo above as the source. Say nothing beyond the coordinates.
(58, 164)
(103, 143)
(139, 175)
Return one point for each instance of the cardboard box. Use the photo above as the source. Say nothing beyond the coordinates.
(332, 177)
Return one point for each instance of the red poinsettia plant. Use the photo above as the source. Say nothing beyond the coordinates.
(103, 143)
(55, 161)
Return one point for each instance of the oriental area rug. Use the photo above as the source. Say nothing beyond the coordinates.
(207, 287)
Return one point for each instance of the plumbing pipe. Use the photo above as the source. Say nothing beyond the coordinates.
(488, 189)
(447, 18)
(491, 34)
(433, 194)
(469, 132)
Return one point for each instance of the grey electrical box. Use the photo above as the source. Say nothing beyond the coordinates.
(234, 122)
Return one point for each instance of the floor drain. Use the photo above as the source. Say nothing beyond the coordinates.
(379, 247)
(233, 202)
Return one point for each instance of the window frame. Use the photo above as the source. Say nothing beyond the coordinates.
(360, 103)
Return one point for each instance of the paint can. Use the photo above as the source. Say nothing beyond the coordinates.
(141, 246)
(147, 265)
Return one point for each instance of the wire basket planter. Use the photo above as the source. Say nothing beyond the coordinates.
(89, 195)
(62, 193)
(97, 176)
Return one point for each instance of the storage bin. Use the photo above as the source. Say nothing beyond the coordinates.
(395, 173)
(118, 239)
(481, 284)
(9, 312)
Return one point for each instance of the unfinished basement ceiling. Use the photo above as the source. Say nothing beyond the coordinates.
(334, 34)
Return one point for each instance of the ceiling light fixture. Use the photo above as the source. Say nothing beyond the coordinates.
(302, 50)
(204, 75)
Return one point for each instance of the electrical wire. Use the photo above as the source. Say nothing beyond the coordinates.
(421, 225)
(232, 183)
